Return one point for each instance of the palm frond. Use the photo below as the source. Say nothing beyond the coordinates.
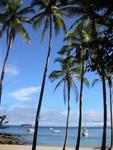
(58, 84)
(19, 3)
(58, 59)
(26, 10)
(60, 22)
(76, 90)
(77, 23)
(2, 18)
(57, 11)
(23, 32)
(94, 82)
(3, 29)
(74, 10)
(74, 70)
(86, 82)
(56, 26)
(38, 20)
(25, 20)
(55, 75)
(64, 92)
(46, 26)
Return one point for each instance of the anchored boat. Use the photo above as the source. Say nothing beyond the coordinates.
(85, 132)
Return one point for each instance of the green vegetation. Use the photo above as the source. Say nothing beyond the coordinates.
(3, 121)
(89, 46)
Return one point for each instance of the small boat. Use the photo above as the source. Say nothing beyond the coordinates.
(85, 132)
(55, 131)
(51, 128)
(30, 130)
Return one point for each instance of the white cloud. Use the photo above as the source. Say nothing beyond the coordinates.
(50, 117)
(24, 93)
(16, 116)
(12, 70)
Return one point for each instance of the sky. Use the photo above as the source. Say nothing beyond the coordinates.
(22, 83)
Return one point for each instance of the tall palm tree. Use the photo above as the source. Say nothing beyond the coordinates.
(48, 15)
(12, 19)
(80, 35)
(66, 75)
(91, 9)
(100, 66)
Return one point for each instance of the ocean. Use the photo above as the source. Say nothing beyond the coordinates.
(47, 137)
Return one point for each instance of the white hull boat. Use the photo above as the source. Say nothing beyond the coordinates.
(30, 130)
(55, 131)
(85, 132)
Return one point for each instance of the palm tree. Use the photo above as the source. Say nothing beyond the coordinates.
(49, 14)
(80, 35)
(99, 65)
(12, 19)
(91, 10)
(66, 74)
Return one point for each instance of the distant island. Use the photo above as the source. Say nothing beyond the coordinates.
(26, 125)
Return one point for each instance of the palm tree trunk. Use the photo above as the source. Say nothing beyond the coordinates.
(103, 146)
(4, 65)
(111, 117)
(42, 90)
(67, 122)
(80, 109)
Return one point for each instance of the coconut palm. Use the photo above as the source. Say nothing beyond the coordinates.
(90, 9)
(80, 35)
(99, 65)
(66, 75)
(84, 37)
(12, 19)
(49, 15)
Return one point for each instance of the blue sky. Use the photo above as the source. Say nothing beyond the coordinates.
(23, 80)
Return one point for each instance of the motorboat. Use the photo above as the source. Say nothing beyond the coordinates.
(55, 131)
(30, 130)
(85, 132)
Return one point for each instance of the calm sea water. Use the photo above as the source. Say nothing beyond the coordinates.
(48, 138)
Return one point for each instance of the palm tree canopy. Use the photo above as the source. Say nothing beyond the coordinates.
(65, 75)
(13, 17)
(48, 9)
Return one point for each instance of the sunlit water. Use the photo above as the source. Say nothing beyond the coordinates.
(47, 137)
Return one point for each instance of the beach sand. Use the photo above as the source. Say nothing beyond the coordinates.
(17, 147)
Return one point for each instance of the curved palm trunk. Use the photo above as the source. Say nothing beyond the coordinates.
(80, 109)
(67, 122)
(111, 117)
(103, 146)
(42, 90)
(4, 65)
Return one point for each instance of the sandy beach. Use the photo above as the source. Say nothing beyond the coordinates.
(17, 147)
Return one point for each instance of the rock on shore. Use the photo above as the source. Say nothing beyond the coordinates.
(10, 139)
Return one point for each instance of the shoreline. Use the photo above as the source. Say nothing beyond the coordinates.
(26, 147)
